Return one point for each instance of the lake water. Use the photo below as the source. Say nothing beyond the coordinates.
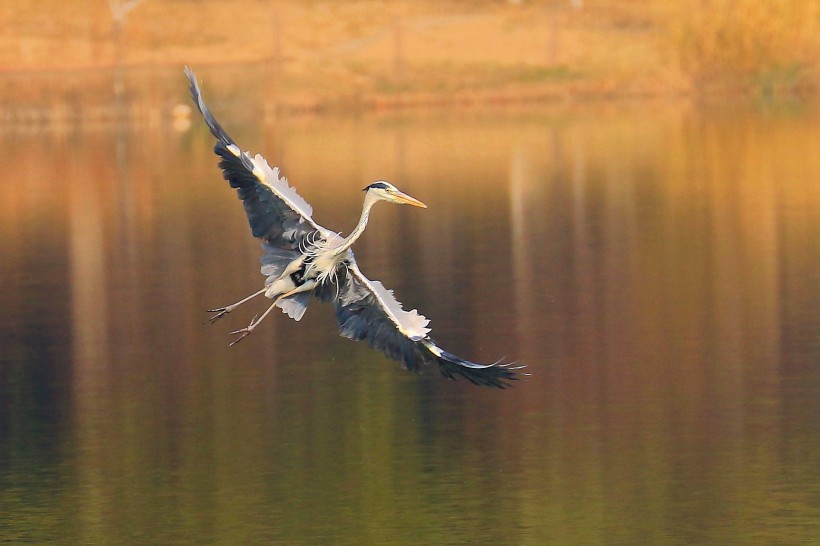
(656, 266)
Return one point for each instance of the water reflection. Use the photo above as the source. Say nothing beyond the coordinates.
(656, 266)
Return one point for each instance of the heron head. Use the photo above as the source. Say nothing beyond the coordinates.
(386, 191)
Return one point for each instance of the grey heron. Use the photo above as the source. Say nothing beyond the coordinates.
(302, 259)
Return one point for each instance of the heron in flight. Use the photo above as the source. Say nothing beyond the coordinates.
(303, 259)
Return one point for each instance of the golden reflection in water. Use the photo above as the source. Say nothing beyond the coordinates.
(679, 302)
(655, 272)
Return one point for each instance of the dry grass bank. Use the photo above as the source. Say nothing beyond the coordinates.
(745, 44)
(369, 52)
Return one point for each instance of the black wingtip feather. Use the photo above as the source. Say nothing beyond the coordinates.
(492, 375)
(213, 125)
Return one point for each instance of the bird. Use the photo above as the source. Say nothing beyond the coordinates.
(303, 260)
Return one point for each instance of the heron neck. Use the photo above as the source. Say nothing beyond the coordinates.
(369, 201)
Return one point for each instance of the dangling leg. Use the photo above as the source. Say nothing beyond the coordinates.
(222, 311)
(245, 332)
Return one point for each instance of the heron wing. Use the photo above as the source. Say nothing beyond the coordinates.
(367, 311)
(276, 212)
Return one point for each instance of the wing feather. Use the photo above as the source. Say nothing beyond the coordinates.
(278, 184)
(276, 212)
(367, 311)
(410, 323)
(295, 306)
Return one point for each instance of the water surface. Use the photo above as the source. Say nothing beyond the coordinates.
(657, 267)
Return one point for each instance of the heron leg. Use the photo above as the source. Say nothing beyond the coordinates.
(245, 332)
(222, 311)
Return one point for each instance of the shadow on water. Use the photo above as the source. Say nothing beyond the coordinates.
(656, 266)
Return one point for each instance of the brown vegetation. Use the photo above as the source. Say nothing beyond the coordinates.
(367, 52)
(742, 43)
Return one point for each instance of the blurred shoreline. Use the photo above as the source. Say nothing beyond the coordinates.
(62, 64)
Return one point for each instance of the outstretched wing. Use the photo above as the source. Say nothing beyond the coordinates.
(276, 213)
(366, 310)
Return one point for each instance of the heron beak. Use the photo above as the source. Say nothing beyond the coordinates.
(404, 199)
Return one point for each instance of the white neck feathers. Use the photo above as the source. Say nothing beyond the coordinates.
(369, 200)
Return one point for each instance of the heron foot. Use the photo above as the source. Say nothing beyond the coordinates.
(244, 332)
(220, 312)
